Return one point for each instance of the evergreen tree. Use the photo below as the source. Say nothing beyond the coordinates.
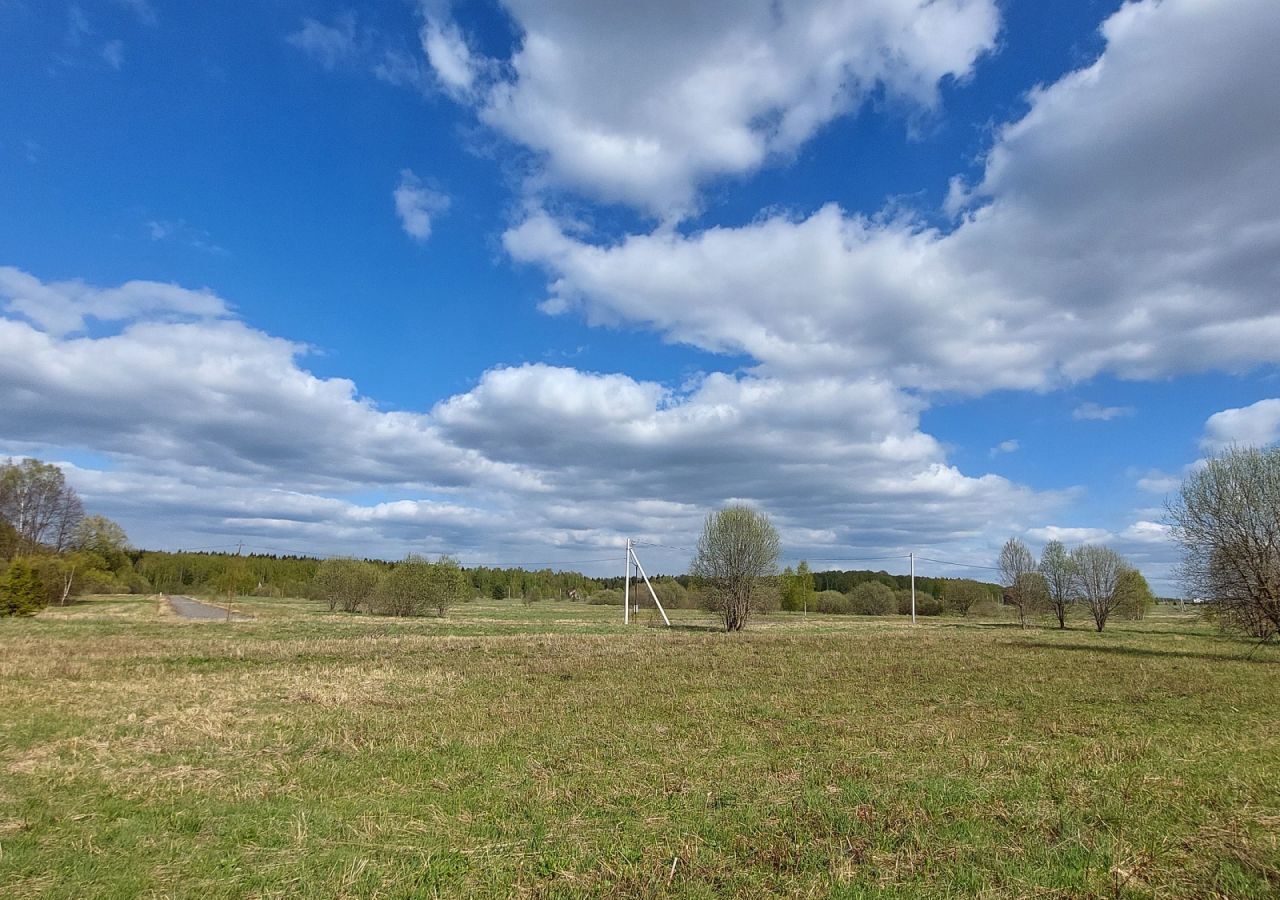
(21, 591)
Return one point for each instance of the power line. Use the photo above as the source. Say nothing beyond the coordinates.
(532, 565)
(947, 562)
(851, 558)
(663, 546)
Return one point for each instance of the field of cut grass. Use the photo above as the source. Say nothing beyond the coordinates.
(544, 751)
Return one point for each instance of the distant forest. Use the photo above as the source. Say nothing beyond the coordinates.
(290, 576)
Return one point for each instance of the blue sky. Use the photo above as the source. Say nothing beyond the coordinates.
(517, 280)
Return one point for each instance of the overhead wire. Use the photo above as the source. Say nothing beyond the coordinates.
(947, 562)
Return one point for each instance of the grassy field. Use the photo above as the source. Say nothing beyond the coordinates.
(544, 751)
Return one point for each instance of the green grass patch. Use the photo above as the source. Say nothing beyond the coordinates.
(546, 751)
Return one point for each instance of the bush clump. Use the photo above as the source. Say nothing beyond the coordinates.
(926, 604)
(606, 597)
(832, 603)
(872, 598)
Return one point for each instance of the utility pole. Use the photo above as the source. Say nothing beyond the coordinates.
(626, 589)
(913, 587)
(231, 590)
(632, 559)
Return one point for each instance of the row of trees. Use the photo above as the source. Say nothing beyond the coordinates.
(735, 566)
(1095, 577)
(412, 587)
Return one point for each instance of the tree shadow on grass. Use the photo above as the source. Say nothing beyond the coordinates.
(1013, 625)
(1204, 633)
(1245, 656)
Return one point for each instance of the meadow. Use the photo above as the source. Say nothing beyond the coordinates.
(545, 751)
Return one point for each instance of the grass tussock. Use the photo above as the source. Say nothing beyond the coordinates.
(545, 751)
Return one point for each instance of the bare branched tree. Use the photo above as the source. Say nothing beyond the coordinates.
(1227, 520)
(736, 563)
(1023, 588)
(1059, 579)
(1098, 571)
(38, 504)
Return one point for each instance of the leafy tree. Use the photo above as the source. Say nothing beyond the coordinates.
(21, 591)
(448, 585)
(100, 535)
(788, 596)
(1060, 579)
(1136, 598)
(405, 590)
(344, 583)
(72, 573)
(736, 564)
(963, 594)
(1023, 587)
(1227, 521)
(797, 588)
(1098, 571)
(236, 579)
(37, 502)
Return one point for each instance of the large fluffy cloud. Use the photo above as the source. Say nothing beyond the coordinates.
(639, 102)
(1129, 223)
(214, 429)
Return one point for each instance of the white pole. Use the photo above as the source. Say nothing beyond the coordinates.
(626, 589)
(913, 587)
(650, 587)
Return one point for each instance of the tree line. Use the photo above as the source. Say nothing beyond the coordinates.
(1226, 519)
(1093, 577)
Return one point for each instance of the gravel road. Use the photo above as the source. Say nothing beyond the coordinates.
(191, 608)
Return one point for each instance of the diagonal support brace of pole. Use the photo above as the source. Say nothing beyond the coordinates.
(652, 593)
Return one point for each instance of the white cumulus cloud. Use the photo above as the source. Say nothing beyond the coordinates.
(215, 428)
(639, 103)
(1127, 224)
(1256, 425)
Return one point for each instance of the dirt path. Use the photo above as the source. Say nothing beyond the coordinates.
(191, 608)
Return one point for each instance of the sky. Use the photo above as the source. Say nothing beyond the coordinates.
(518, 280)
